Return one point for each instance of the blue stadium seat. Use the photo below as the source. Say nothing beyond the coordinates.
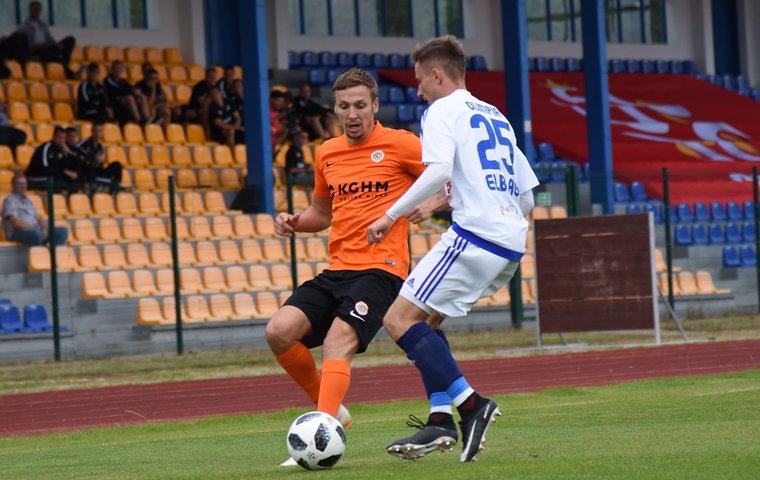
(734, 211)
(661, 66)
(685, 213)
(647, 66)
(749, 210)
(748, 255)
(477, 63)
(344, 59)
(396, 60)
(714, 79)
(655, 210)
(333, 74)
(294, 61)
(676, 66)
(10, 320)
(361, 60)
(558, 64)
(615, 65)
(718, 212)
(632, 208)
(419, 111)
(748, 232)
(411, 95)
(545, 151)
(405, 113)
(573, 65)
(382, 93)
(701, 213)
(683, 235)
(733, 233)
(633, 65)
(378, 60)
(542, 64)
(689, 67)
(543, 177)
(699, 235)
(638, 192)
(531, 64)
(558, 176)
(731, 257)
(744, 91)
(756, 94)
(36, 318)
(317, 77)
(396, 95)
(5, 301)
(728, 82)
(622, 194)
(717, 235)
(408, 61)
(309, 59)
(327, 59)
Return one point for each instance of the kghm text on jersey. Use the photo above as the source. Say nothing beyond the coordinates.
(359, 187)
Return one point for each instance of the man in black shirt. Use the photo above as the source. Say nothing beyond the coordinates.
(224, 122)
(225, 84)
(92, 99)
(50, 160)
(197, 110)
(93, 156)
(235, 99)
(316, 119)
(157, 109)
(122, 96)
(295, 164)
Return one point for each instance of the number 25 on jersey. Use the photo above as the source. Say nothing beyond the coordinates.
(499, 143)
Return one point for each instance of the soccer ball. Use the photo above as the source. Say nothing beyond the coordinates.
(316, 440)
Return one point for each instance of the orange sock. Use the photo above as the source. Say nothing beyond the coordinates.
(336, 376)
(300, 365)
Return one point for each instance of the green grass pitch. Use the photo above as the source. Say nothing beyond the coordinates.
(697, 427)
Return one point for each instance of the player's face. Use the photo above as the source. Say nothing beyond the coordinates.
(427, 82)
(356, 110)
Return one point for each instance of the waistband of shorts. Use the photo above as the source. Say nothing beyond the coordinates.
(502, 252)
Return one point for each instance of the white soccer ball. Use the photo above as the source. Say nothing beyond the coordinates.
(316, 440)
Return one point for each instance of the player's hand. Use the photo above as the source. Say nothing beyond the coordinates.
(376, 232)
(420, 213)
(285, 224)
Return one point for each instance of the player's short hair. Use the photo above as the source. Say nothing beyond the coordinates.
(71, 130)
(93, 67)
(355, 77)
(446, 52)
(58, 129)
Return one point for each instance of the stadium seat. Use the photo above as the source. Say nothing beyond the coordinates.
(10, 320)
(662, 66)
(250, 251)
(405, 113)
(361, 60)
(344, 59)
(685, 212)
(134, 55)
(89, 259)
(213, 280)
(633, 65)
(54, 72)
(717, 234)
(206, 253)
(615, 65)
(699, 235)
(137, 256)
(244, 307)
(155, 230)
(273, 250)
(220, 308)
(718, 212)
(195, 134)
(396, 61)
(182, 94)
(396, 95)
(638, 192)
(200, 228)
(196, 309)
(126, 204)
(236, 279)
(676, 66)
(153, 56)
(573, 64)
(84, 231)
(259, 279)
(478, 63)
(229, 179)
(6, 159)
(19, 112)
(748, 256)
(113, 257)
(706, 286)
(17, 72)
(243, 226)
(748, 232)
(378, 60)
(294, 60)
(183, 233)
(160, 255)
(309, 59)
(132, 230)
(317, 77)
(733, 233)
(327, 59)
(622, 195)
(734, 211)
(119, 284)
(36, 318)
(38, 92)
(541, 64)
(267, 304)
(264, 224)
(663, 283)
(749, 210)
(701, 213)
(229, 253)
(683, 235)
(190, 280)
(632, 208)
(154, 135)
(63, 113)
(687, 284)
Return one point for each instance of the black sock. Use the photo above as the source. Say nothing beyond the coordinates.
(469, 405)
(440, 418)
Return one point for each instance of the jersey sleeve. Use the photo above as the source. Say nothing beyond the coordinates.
(411, 154)
(320, 184)
(526, 177)
(438, 138)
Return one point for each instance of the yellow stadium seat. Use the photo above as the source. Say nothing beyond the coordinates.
(190, 280)
(173, 56)
(6, 157)
(200, 228)
(163, 76)
(186, 253)
(142, 282)
(267, 304)
(159, 156)
(241, 155)
(89, 259)
(243, 226)
(112, 133)
(215, 202)
(148, 203)
(154, 135)
(283, 296)
(132, 230)
(15, 92)
(182, 94)
(663, 283)
(162, 178)
(687, 284)
(207, 178)
(418, 245)
(38, 92)
(206, 253)
(165, 282)
(76, 54)
(177, 74)
(119, 285)
(557, 211)
(160, 255)
(220, 308)
(166, 204)
(175, 135)
(300, 200)
(223, 156)
(79, 205)
(433, 239)
(144, 179)
(126, 204)
(138, 156)
(274, 251)
(659, 262)
(181, 156)
(108, 231)
(236, 279)
(33, 71)
(706, 286)
(126, 179)
(133, 134)
(19, 112)
(93, 53)
(155, 230)
(258, 278)
(16, 72)
(316, 250)
(39, 259)
(244, 307)
(153, 56)
(44, 132)
(250, 251)
(94, 285)
(169, 310)
(137, 256)
(195, 134)
(59, 92)
(85, 130)
(63, 113)
(113, 257)
(229, 252)
(195, 73)
(134, 55)
(54, 72)
(192, 203)
(229, 179)
(113, 53)
(213, 280)
(221, 227)
(149, 312)
(59, 206)
(202, 156)
(84, 231)
(264, 225)
(539, 212)
(528, 266)
(183, 233)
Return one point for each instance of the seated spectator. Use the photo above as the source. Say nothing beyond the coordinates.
(16, 47)
(122, 96)
(75, 161)
(235, 99)
(197, 110)
(42, 44)
(156, 108)
(50, 160)
(225, 84)
(316, 119)
(277, 119)
(92, 155)
(224, 122)
(9, 135)
(22, 222)
(92, 99)
(295, 164)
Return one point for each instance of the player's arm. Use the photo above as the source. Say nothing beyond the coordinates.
(423, 211)
(315, 218)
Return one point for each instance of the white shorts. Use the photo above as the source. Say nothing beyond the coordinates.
(454, 275)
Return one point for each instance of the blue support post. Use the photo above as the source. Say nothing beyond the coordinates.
(597, 104)
(253, 59)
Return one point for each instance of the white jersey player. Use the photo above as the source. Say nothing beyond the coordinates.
(469, 146)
